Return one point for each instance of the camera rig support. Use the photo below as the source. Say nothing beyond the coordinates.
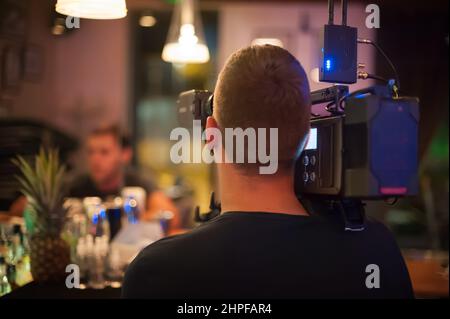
(351, 210)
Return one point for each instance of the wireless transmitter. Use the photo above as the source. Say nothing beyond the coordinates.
(338, 56)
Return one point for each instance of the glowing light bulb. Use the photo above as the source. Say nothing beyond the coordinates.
(185, 41)
(187, 35)
(92, 9)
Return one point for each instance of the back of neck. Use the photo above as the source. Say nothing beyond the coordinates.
(259, 193)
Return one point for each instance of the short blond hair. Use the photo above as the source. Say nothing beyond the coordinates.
(264, 86)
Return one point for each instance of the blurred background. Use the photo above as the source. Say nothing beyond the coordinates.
(58, 83)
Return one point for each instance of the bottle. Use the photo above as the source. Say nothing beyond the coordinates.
(97, 265)
(131, 209)
(18, 269)
(115, 274)
(114, 215)
(5, 244)
(134, 199)
(82, 260)
(5, 287)
(17, 245)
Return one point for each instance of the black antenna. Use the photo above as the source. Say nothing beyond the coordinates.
(330, 11)
(344, 11)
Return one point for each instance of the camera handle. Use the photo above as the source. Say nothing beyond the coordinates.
(353, 213)
(350, 210)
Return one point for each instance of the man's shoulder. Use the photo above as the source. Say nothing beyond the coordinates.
(168, 246)
(155, 266)
(376, 229)
(221, 230)
(168, 250)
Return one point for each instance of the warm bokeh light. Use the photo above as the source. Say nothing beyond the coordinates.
(185, 41)
(92, 9)
(187, 49)
(271, 41)
(147, 21)
(180, 53)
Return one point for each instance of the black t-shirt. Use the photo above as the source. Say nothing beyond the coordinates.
(84, 186)
(267, 255)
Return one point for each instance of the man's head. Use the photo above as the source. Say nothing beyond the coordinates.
(108, 153)
(265, 87)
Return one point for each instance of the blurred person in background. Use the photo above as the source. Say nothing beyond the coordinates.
(109, 154)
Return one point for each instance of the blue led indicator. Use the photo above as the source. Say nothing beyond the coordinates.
(328, 64)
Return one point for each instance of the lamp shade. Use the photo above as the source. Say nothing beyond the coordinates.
(92, 9)
(185, 41)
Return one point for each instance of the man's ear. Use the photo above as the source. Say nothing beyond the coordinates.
(127, 154)
(211, 123)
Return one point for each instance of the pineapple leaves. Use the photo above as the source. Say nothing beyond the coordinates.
(42, 183)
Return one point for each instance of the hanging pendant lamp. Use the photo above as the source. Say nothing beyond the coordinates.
(92, 9)
(185, 41)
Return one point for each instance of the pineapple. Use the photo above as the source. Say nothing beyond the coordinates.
(42, 183)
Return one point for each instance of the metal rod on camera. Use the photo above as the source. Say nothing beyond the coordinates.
(330, 11)
(344, 11)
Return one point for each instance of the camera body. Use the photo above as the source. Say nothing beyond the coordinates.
(194, 105)
(368, 152)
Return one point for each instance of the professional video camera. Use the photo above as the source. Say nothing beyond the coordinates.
(366, 147)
